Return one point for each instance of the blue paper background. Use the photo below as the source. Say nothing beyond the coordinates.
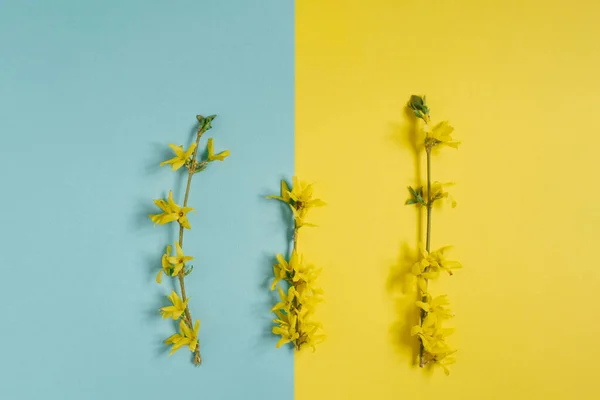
(91, 93)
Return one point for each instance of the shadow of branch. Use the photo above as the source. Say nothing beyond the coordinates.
(408, 136)
(401, 283)
(402, 287)
(262, 308)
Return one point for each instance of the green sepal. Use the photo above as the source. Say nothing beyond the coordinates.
(201, 167)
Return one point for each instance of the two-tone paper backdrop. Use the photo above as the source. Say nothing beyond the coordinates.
(91, 92)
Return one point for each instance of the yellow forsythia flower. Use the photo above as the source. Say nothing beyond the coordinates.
(285, 193)
(431, 264)
(294, 271)
(304, 273)
(440, 134)
(302, 194)
(186, 336)
(438, 192)
(171, 212)
(443, 360)
(286, 328)
(433, 338)
(283, 269)
(436, 349)
(308, 297)
(425, 269)
(181, 156)
(307, 293)
(299, 199)
(439, 260)
(177, 309)
(211, 152)
(435, 308)
(166, 265)
(310, 336)
(287, 300)
(178, 261)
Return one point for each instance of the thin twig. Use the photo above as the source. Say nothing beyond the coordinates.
(296, 304)
(181, 275)
(427, 247)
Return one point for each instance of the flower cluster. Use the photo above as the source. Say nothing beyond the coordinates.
(295, 309)
(434, 311)
(175, 265)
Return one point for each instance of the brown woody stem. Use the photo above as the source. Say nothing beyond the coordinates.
(427, 246)
(297, 305)
(181, 275)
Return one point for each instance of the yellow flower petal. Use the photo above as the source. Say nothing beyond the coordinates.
(185, 222)
(211, 148)
(173, 338)
(190, 151)
(423, 306)
(185, 329)
(178, 150)
(182, 342)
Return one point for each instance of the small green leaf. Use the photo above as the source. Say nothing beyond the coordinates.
(418, 105)
(417, 196)
(189, 271)
(416, 102)
(207, 123)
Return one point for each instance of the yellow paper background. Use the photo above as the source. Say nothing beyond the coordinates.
(519, 81)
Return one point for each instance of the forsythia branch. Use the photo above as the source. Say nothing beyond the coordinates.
(433, 310)
(176, 265)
